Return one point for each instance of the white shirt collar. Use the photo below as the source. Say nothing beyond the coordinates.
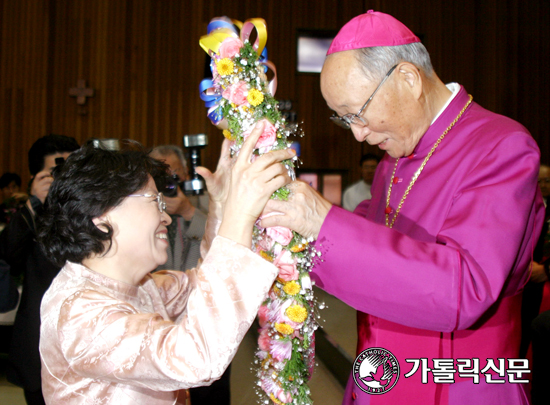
(454, 87)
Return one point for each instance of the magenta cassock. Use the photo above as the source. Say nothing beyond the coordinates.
(446, 281)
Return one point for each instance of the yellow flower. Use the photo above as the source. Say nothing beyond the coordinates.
(263, 253)
(296, 313)
(298, 247)
(227, 133)
(255, 97)
(224, 66)
(292, 288)
(284, 329)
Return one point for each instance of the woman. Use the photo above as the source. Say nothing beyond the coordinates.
(113, 333)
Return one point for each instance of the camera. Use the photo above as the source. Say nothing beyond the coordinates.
(59, 161)
(172, 182)
(195, 185)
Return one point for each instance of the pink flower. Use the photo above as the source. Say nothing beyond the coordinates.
(281, 349)
(265, 244)
(262, 315)
(264, 341)
(230, 47)
(287, 266)
(284, 397)
(268, 137)
(277, 312)
(280, 234)
(272, 294)
(269, 386)
(236, 93)
(274, 310)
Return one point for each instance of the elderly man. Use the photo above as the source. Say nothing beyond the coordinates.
(188, 217)
(436, 260)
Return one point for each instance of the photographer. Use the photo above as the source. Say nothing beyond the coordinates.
(188, 219)
(19, 249)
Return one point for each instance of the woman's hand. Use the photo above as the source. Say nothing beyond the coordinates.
(251, 186)
(218, 183)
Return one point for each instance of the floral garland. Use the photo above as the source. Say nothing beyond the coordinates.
(238, 96)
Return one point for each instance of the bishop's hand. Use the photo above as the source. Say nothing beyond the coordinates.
(303, 212)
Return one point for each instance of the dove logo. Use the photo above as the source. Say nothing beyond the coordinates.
(375, 371)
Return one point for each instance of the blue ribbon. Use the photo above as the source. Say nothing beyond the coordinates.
(215, 24)
(263, 58)
(211, 101)
(215, 116)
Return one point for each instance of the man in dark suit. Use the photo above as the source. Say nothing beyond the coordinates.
(533, 290)
(538, 325)
(20, 250)
(8, 289)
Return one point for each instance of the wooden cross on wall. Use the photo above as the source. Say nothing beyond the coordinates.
(81, 92)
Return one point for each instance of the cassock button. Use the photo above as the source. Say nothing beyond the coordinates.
(410, 156)
(387, 210)
(354, 396)
(395, 180)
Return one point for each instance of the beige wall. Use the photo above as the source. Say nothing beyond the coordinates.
(143, 59)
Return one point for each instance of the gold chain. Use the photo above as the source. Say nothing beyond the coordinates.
(415, 177)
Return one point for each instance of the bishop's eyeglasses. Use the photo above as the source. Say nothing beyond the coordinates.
(347, 120)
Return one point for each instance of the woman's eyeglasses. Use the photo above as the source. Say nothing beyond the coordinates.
(159, 197)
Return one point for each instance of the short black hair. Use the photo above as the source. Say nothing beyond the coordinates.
(92, 181)
(368, 156)
(7, 178)
(49, 145)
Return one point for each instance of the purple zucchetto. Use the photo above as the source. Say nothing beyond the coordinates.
(372, 29)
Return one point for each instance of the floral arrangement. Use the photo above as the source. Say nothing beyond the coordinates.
(238, 96)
